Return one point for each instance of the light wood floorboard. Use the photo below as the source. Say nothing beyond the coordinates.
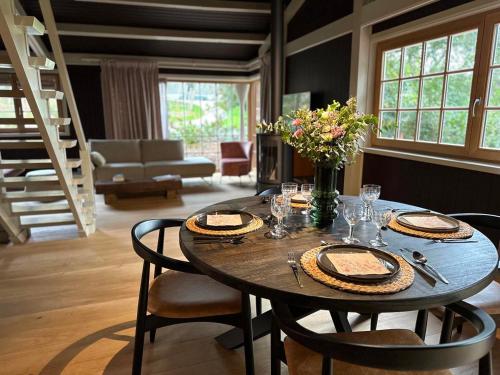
(68, 304)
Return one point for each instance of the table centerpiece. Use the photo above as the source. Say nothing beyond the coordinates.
(330, 137)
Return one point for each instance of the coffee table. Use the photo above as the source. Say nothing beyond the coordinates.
(167, 184)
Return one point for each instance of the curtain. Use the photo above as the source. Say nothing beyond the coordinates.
(265, 88)
(164, 110)
(242, 92)
(131, 99)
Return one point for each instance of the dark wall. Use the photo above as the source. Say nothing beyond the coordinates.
(86, 82)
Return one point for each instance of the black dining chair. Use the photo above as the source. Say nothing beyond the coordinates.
(182, 294)
(264, 193)
(489, 298)
(394, 350)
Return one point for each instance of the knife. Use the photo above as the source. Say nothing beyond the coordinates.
(416, 266)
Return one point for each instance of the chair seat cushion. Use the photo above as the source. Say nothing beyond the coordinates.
(303, 361)
(487, 299)
(184, 295)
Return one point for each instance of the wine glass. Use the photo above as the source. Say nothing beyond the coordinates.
(306, 191)
(289, 189)
(381, 217)
(369, 193)
(352, 214)
(279, 208)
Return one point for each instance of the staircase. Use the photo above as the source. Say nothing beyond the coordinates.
(67, 197)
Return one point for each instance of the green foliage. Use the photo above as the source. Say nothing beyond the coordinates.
(330, 136)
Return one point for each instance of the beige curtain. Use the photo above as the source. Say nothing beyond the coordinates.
(131, 99)
(265, 88)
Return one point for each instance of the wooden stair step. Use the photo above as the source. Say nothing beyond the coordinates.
(22, 209)
(67, 143)
(35, 221)
(41, 62)
(73, 163)
(19, 144)
(31, 25)
(27, 196)
(61, 121)
(35, 181)
(26, 163)
(51, 94)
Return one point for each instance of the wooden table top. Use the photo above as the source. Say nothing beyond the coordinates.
(259, 265)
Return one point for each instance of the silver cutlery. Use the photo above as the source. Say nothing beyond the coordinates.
(325, 243)
(422, 259)
(453, 240)
(216, 238)
(234, 241)
(405, 210)
(416, 266)
(292, 262)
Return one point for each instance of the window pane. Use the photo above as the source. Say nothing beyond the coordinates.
(409, 93)
(26, 109)
(491, 137)
(463, 50)
(458, 90)
(454, 127)
(387, 125)
(494, 95)
(392, 61)
(53, 109)
(390, 94)
(435, 55)
(412, 60)
(496, 58)
(432, 91)
(7, 109)
(429, 126)
(407, 125)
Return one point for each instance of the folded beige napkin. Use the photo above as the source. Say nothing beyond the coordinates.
(357, 264)
(224, 220)
(299, 198)
(432, 222)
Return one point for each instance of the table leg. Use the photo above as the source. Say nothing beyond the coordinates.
(340, 321)
(421, 324)
(276, 348)
(110, 198)
(261, 326)
(447, 328)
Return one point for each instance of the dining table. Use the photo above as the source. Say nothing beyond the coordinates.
(258, 265)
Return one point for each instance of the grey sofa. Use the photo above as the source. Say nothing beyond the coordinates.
(139, 159)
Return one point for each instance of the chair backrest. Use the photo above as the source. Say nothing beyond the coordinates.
(271, 191)
(487, 222)
(397, 357)
(156, 256)
(236, 149)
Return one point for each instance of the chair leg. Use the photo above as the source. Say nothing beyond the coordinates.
(275, 348)
(247, 334)
(486, 365)
(152, 335)
(258, 305)
(447, 327)
(373, 321)
(140, 326)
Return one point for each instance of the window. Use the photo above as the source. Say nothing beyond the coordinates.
(439, 90)
(203, 114)
(15, 113)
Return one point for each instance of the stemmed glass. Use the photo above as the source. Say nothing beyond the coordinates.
(381, 217)
(306, 191)
(369, 193)
(279, 208)
(352, 214)
(289, 189)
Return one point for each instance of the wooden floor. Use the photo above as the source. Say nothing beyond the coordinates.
(68, 304)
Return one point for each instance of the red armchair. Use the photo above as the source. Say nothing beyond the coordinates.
(236, 158)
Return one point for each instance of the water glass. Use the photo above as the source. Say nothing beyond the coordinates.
(289, 189)
(306, 191)
(352, 214)
(369, 193)
(381, 218)
(279, 209)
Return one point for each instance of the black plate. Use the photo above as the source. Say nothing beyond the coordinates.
(387, 259)
(456, 224)
(246, 218)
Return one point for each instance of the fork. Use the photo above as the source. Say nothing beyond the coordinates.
(292, 262)
(450, 240)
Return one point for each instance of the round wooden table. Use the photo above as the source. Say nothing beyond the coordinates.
(259, 265)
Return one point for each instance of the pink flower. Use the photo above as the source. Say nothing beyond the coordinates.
(298, 133)
(337, 132)
(297, 122)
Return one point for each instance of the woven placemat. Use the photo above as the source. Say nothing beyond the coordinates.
(298, 205)
(256, 224)
(465, 231)
(400, 282)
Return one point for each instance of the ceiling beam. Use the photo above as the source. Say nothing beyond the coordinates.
(200, 5)
(122, 32)
(166, 62)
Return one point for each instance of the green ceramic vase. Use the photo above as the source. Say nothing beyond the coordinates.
(325, 194)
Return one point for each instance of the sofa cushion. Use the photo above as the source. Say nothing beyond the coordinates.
(118, 150)
(189, 167)
(161, 150)
(131, 171)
